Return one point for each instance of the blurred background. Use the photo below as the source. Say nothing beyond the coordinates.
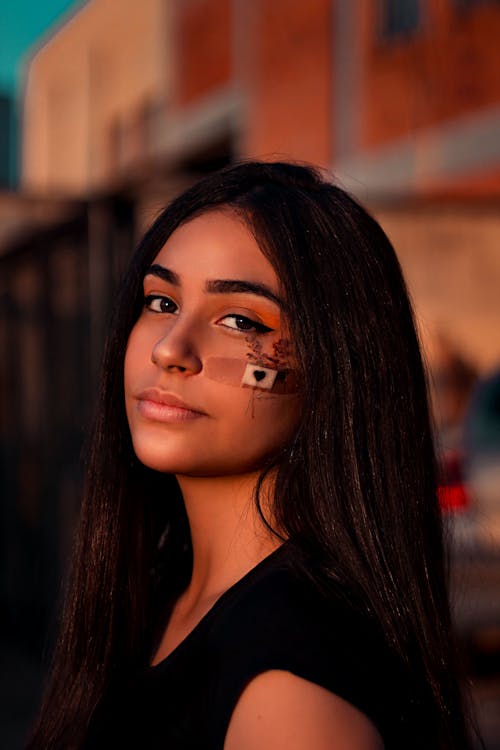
(108, 108)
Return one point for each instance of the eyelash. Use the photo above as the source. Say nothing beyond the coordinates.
(252, 325)
(149, 299)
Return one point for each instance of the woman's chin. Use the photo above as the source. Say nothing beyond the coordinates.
(195, 465)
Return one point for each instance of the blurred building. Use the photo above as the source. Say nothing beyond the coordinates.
(393, 94)
(128, 101)
(399, 98)
(418, 80)
(175, 79)
(91, 94)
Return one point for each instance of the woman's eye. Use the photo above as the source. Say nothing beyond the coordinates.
(158, 303)
(242, 323)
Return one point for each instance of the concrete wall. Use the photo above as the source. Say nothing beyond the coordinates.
(90, 93)
(450, 256)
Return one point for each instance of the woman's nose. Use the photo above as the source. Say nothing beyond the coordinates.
(177, 350)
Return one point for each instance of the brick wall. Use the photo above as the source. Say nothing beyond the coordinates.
(286, 62)
(445, 69)
(203, 48)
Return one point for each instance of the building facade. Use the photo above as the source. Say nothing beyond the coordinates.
(398, 98)
(393, 95)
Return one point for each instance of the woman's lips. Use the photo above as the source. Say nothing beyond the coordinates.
(160, 406)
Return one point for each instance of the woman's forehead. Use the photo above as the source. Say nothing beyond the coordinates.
(217, 245)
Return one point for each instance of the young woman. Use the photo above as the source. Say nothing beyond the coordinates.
(260, 561)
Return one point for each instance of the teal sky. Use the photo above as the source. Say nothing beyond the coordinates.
(22, 24)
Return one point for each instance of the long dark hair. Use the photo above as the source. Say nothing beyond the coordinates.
(355, 490)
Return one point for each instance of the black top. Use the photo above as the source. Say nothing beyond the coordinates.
(272, 618)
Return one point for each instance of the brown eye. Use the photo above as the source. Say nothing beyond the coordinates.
(158, 303)
(242, 323)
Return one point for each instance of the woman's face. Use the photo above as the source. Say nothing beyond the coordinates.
(209, 382)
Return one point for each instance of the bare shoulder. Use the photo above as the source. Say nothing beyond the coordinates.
(280, 711)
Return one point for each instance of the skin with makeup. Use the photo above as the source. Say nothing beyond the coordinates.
(211, 307)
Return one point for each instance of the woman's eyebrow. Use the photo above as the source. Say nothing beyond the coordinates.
(218, 286)
(165, 274)
(236, 286)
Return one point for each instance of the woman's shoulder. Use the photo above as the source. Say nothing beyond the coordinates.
(278, 704)
(281, 620)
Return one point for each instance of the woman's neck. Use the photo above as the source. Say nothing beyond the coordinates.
(228, 535)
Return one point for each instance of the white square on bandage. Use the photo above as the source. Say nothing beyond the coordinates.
(259, 377)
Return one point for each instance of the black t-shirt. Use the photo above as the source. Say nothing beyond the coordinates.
(272, 618)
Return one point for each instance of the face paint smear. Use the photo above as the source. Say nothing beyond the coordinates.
(243, 374)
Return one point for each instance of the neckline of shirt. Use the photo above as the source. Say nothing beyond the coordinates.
(219, 602)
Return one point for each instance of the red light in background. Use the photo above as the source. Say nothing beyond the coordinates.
(453, 497)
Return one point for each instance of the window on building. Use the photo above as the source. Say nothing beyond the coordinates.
(399, 17)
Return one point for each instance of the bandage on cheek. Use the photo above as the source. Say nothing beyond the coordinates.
(242, 374)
